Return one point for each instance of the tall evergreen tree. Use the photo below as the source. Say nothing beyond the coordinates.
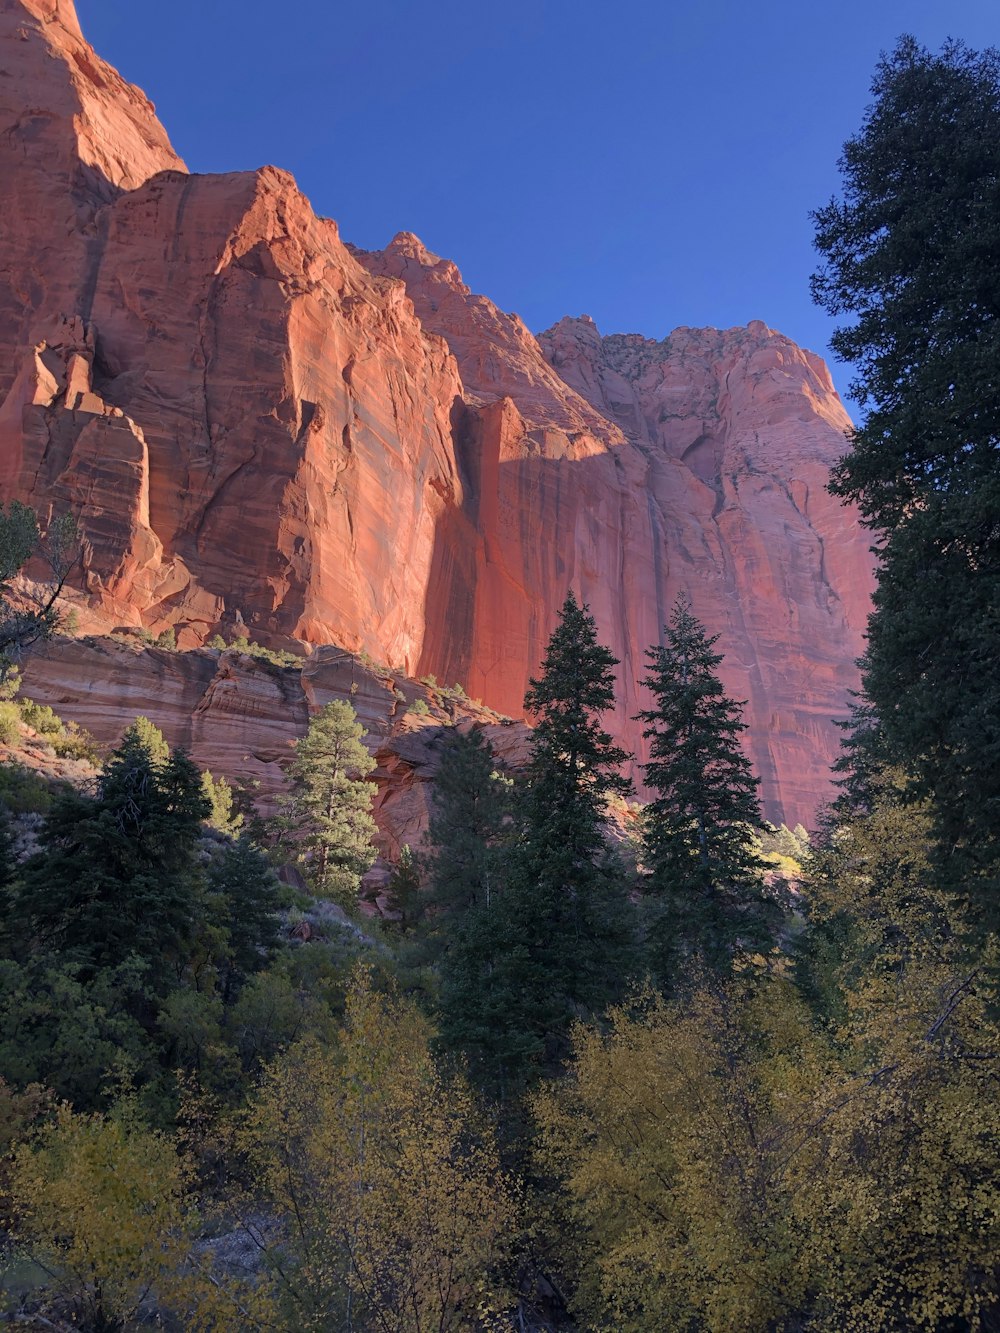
(705, 876)
(118, 874)
(470, 806)
(556, 944)
(909, 255)
(329, 805)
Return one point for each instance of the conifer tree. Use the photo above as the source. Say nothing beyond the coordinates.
(403, 896)
(557, 941)
(118, 874)
(908, 255)
(470, 804)
(329, 806)
(705, 876)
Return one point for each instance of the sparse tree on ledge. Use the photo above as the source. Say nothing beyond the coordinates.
(329, 806)
(26, 620)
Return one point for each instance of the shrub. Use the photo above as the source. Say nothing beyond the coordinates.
(167, 639)
(419, 706)
(40, 717)
(76, 742)
(24, 792)
(276, 656)
(10, 717)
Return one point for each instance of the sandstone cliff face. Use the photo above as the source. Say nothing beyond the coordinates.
(261, 428)
(281, 423)
(640, 470)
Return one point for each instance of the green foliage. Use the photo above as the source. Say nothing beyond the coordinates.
(40, 717)
(10, 723)
(420, 707)
(276, 656)
(469, 810)
(244, 898)
(328, 810)
(908, 256)
(556, 939)
(708, 900)
(73, 1029)
(222, 814)
(75, 742)
(403, 894)
(118, 874)
(167, 639)
(22, 791)
(142, 734)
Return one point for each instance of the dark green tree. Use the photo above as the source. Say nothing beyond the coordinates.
(909, 255)
(556, 942)
(463, 862)
(706, 887)
(245, 895)
(118, 875)
(403, 896)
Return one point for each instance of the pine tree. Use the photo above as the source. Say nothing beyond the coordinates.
(705, 876)
(329, 806)
(557, 941)
(909, 255)
(403, 897)
(118, 874)
(470, 806)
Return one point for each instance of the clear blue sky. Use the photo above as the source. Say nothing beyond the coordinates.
(648, 162)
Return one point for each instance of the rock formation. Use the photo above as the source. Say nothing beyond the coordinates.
(264, 430)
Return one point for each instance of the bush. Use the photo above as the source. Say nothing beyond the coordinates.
(420, 707)
(10, 717)
(40, 717)
(276, 656)
(24, 792)
(167, 639)
(76, 742)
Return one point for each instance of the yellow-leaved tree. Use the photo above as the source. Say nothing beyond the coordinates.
(745, 1160)
(905, 1217)
(101, 1205)
(678, 1140)
(396, 1211)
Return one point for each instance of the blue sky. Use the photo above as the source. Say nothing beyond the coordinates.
(648, 163)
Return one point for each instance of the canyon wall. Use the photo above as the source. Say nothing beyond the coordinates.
(265, 431)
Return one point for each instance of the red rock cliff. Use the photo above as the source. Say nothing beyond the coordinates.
(260, 427)
(633, 470)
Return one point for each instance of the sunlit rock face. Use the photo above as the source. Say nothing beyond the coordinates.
(634, 471)
(264, 430)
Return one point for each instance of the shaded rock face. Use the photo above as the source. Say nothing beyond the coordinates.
(262, 429)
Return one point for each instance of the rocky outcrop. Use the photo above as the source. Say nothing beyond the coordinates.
(263, 430)
(238, 715)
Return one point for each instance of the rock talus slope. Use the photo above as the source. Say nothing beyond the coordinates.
(264, 430)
